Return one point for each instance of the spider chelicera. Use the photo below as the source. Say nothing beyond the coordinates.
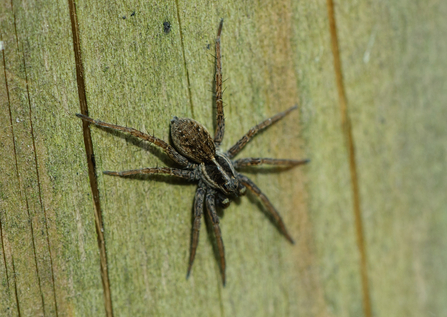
(202, 161)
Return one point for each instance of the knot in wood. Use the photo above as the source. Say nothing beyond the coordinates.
(192, 140)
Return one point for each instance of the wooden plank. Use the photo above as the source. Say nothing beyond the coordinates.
(147, 237)
(394, 65)
(48, 216)
(146, 66)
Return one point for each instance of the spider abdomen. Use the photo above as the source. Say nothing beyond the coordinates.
(192, 140)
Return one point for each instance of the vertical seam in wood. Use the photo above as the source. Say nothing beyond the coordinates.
(347, 133)
(90, 159)
(15, 285)
(34, 250)
(184, 60)
(4, 253)
(10, 120)
(17, 170)
(15, 24)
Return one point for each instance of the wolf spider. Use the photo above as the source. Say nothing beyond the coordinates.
(201, 160)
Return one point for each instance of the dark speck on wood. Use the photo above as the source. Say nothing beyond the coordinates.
(166, 27)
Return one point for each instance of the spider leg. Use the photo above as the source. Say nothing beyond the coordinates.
(220, 118)
(255, 190)
(236, 148)
(211, 208)
(170, 151)
(186, 174)
(252, 161)
(198, 211)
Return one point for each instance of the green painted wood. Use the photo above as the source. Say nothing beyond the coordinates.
(275, 54)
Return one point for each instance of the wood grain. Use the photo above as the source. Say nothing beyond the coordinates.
(139, 73)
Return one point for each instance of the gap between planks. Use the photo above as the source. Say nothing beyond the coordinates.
(90, 160)
(347, 133)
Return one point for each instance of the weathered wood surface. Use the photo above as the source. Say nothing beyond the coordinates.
(275, 54)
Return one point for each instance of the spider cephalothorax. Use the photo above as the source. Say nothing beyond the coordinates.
(202, 161)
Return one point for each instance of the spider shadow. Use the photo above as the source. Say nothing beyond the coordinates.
(264, 170)
(145, 145)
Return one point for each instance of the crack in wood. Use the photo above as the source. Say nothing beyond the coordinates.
(15, 285)
(34, 250)
(16, 165)
(10, 120)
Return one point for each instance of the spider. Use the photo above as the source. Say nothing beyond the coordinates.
(202, 161)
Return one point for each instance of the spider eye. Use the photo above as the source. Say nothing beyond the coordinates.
(231, 186)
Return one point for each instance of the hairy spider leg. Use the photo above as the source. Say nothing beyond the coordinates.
(220, 118)
(170, 151)
(254, 161)
(186, 174)
(255, 190)
(236, 148)
(198, 212)
(211, 208)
